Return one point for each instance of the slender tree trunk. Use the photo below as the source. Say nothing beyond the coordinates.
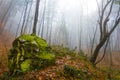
(43, 23)
(27, 21)
(96, 51)
(36, 16)
(24, 18)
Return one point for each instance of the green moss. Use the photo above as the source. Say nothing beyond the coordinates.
(60, 51)
(29, 52)
(76, 73)
(25, 66)
(83, 73)
(117, 77)
(42, 61)
(47, 56)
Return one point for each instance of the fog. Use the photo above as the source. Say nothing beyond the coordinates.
(71, 23)
(79, 17)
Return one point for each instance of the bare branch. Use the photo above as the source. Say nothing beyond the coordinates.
(107, 18)
(93, 40)
(98, 7)
(118, 13)
(115, 25)
(101, 18)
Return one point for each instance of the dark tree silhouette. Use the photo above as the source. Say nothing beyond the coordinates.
(36, 16)
(103, 25)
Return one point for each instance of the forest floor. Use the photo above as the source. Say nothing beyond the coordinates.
(5, 45)
(3, 59)
(67, 66)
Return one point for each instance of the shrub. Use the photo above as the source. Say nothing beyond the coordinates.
(76, 73)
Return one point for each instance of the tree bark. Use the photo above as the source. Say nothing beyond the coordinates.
(36, 16)
(97, 49)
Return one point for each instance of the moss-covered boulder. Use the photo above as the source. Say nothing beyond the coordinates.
(29, 52)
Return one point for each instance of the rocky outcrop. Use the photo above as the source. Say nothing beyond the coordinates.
(29, 52)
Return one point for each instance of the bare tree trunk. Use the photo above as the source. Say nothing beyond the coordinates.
(19, 23)
(43, 23)
(103, 52)
(104, 33)
(50, 35)
(97, 49)
(25, 14)
(36, 16)
(27, 21)
(4, 17)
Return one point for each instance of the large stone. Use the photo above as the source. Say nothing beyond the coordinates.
(29, 52)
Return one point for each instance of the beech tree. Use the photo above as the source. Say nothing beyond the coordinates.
(104, 25)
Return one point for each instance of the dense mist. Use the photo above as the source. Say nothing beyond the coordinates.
(71, 23)
(59, 39)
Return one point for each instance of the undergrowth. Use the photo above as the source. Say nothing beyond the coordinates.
(68, 66)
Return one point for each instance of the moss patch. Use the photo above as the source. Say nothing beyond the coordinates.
(29, 52)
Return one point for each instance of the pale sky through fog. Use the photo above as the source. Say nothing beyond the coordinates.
(88, 6)
(78, 14)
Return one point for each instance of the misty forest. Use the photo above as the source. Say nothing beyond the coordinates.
(59, 39)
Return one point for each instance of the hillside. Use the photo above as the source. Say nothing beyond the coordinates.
(68, 66)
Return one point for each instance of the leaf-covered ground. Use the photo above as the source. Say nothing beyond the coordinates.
(68, 66)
